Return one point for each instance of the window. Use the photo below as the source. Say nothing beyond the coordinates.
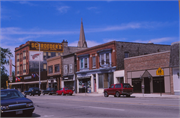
(70, 68)
(102, 59)
(81, 63)
(112, 86)
(107, 58)
(65, 69)
(50, 69)
(118, 86)
(49, 54)
(17, 57)
(57, 68)
(94, 61)
(44, 66)
(24, 54)
(44, 55)
(53, 54)
(85, 62)
(126, 54)
(24, 68)
(105, 80)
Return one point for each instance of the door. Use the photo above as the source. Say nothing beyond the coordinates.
(146, 85)
(158, 84)
(136, 85)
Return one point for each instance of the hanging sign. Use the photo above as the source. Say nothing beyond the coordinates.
(159, 71)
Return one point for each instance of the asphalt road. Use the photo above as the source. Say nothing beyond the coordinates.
(89, 106)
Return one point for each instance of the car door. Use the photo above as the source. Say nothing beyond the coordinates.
(111, 90)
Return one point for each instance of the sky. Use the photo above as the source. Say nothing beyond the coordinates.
(103, 21)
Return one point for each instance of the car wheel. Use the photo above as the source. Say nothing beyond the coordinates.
(29, 114)
(39, 94)
(70, 94)
(62, 94)
(30, 94)
(50, 94)
(106, 94)
(127, 95)
(33, 94)
(117, 94)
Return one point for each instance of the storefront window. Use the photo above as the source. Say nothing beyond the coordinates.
(101, 81)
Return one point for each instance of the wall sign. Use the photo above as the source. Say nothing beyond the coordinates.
(35, 55)
(28, 77)
(44, 46)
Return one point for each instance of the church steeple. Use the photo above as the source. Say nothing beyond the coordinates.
(82, 41)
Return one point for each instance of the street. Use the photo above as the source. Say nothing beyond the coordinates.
(89, 106)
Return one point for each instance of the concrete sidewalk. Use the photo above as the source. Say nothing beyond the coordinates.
(152, 95)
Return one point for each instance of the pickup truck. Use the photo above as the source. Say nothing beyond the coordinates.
(119, 89)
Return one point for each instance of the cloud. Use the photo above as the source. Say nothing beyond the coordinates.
(114, 39)
(15, 30)
(27, 3)
(92, 8)
(22, 39)
(89, 43)
(63, 9)
(158, 40)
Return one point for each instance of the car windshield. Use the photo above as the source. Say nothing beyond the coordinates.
(11, 95)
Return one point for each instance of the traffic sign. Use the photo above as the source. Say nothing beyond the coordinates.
(159, 71)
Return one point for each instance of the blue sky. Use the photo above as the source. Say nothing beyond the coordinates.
(53, 21)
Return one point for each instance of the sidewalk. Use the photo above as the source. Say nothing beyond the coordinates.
(137, 95)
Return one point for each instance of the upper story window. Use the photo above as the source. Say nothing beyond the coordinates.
(24, 54)
(102, 59)
(65, 69)
(70, 68)
(93, 61)
(44, 66)
(50, 69)
(126, 54)
(105, 57)
(49, 54)
(84, 61)
(53, 54)
(81, 63)
(17, 57)
(44, 55)
(56, 68)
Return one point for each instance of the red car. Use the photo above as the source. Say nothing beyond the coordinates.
(64, 91)
(119, 89)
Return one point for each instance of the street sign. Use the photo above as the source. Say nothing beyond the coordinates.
(159, 71)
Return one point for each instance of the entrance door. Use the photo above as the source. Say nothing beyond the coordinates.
(146, 85)
(136, 85)
(158, 84)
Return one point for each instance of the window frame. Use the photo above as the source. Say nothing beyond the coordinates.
(55, 67)
(70, 68)
(49, 69)
(94, 61)
(126, 54)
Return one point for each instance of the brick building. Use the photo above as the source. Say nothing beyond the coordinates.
(174, 64)
(100, 66)
(28, 56)
(141, 71)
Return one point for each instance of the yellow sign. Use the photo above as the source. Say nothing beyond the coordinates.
(159, 71)
(44, 46)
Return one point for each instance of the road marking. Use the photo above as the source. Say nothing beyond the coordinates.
(49, 116)
(105, 108)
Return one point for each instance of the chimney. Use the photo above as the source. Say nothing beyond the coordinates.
(65, 43)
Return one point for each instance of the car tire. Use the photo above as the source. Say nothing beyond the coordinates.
(33, 94)
(39, 94)
(62, 94)
(30, 94)
(29, 114)
(127, 95)
(70, 94)
(117, 94)
(50, 94)
(106, 94)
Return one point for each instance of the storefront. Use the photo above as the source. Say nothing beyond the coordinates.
(53, 82)
(69, 82)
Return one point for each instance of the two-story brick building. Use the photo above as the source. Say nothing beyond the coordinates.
(100, 66)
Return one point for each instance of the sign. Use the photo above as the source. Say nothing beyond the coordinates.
(159, 71)
(10, 78)
(28, 77)
(35, 55)
(45, 46)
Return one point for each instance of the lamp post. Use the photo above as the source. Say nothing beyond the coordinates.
(39, 66)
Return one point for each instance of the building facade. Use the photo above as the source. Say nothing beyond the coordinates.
(174, 64)
(141, 72)
(100, 66)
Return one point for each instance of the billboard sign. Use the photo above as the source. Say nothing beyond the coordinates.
(45, 46)
(35, 55)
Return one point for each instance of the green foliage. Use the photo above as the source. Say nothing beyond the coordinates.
(5, 55)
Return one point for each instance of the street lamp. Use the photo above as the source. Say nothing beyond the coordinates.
(39, 66)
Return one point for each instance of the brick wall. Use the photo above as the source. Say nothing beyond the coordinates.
(136, 49)
(52, 62)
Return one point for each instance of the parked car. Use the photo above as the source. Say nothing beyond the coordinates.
(50, 91)
(119, 89)
(64, 91)
(14, 103)
(33, 91)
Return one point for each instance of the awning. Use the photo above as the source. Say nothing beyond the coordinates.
(32, 82)
(84, 77)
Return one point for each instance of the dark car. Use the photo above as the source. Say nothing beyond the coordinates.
(14, 103)
(33, 91)
(49, 91)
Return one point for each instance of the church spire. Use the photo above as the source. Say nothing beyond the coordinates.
(82, 41)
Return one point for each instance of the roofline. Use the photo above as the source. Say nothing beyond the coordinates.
(147, 55)
(143, 43)
(97, 46)
(52, 58)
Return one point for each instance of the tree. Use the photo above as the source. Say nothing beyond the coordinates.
(5, 55)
